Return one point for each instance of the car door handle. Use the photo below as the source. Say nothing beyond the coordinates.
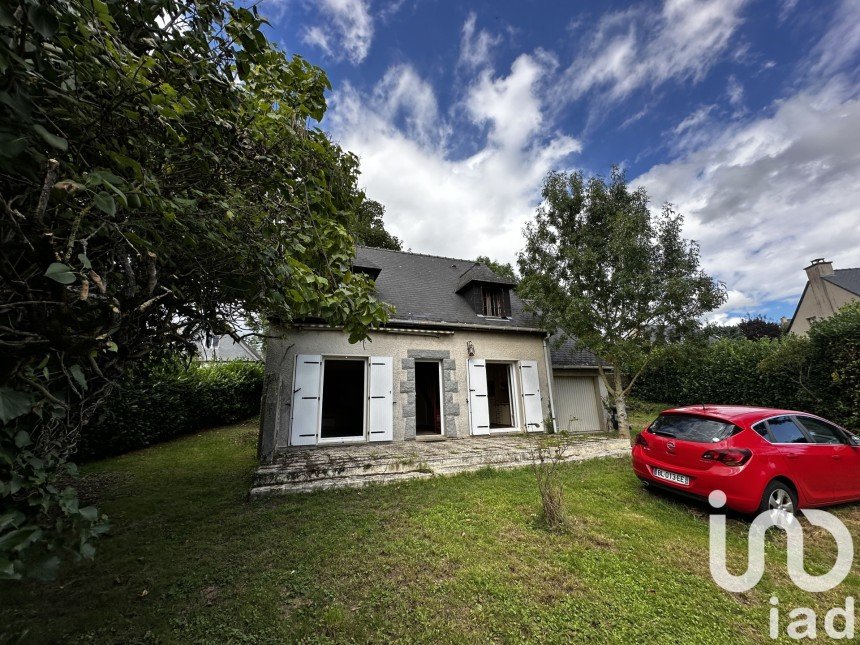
(836, 457)
(792, 456)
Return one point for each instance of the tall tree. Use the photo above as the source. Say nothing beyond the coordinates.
(601, 267)
(159, 174)
(755, 328)
(370, 229)
(504, 269)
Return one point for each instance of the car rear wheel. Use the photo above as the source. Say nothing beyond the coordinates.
(780, 500)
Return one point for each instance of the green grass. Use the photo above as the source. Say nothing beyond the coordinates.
(641, 413)
(446, 559)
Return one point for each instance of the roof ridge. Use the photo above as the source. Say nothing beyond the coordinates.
(426, 255)
(474, 264)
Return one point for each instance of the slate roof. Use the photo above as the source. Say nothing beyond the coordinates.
(423, 289)
(565, 352)
(482, 273)
(848, 279)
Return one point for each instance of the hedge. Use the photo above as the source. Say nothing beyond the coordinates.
(167, 402)
(819, 373)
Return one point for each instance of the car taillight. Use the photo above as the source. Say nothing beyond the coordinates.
(729, 456)
(640, 440)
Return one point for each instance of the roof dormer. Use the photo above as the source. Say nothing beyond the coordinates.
(488, 294)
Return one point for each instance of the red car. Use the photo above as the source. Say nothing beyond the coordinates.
(761, 458)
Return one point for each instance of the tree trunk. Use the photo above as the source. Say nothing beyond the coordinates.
(621, 407)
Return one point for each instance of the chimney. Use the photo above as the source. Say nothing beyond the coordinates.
(816, 270)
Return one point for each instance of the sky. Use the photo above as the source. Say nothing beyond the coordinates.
(743, 114)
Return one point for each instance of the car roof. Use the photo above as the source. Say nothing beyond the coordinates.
(732, 413)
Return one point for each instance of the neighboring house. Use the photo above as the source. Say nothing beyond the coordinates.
(826, 291)
(213, 347)
(459, 357)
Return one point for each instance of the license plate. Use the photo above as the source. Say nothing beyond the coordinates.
(671, 477)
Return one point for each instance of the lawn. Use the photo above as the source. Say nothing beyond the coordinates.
(464, 558)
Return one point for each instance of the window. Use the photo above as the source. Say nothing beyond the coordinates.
(692, 428)
(761, 428)
(785, 430)
(820, 431)
(343, 399)
(493, 302)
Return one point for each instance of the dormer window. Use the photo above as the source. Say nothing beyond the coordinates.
(493, 302)
(488, 294)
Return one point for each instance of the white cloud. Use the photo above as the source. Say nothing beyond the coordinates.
(735, 92)
(840, 45)
(765, 197)
(402, 94)
(640, 47)
(317, 37)
(439, 203)
(475, 48)
(347, 31)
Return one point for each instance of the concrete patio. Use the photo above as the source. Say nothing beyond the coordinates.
(352, 466)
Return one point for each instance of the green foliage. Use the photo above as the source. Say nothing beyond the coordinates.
(159, 176)
(504, 269)
(159, 404)
(599, 266)
(834, 364)
(369, 229)
(819, 373)
(755, 327)
(34, 493)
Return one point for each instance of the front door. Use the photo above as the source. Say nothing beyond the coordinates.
(428, 398)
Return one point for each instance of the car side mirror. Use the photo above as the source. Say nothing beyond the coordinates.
(854, 440)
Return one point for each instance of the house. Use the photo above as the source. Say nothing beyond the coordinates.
(214, 348)
(460, 357)
(827, 290)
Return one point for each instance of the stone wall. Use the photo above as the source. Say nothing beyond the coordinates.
(453, 427)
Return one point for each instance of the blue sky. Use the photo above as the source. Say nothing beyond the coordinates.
(744, 114)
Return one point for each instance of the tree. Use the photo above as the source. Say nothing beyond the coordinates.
(370, 229)
(754, 328)
(505, 270)
(601, 267)
(159, 176)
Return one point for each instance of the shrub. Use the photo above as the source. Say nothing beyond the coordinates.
(166, 401)
(819, 373)
(548, 451)
(835, 357)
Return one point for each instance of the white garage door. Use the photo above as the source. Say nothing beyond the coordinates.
(577, 405)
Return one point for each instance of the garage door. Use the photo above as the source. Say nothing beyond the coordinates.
(577, 405)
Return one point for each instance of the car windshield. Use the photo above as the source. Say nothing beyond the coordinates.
(692, 428)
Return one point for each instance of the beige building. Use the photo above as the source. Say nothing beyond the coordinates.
(460, 357)
(827, 290)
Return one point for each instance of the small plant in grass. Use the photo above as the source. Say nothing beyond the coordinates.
(548, 451)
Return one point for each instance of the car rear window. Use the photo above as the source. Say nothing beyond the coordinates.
(692, 428)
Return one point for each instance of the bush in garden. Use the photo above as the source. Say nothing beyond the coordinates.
(171, 400)
(819, 373)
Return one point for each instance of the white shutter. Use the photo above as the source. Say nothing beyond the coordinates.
(306, 400)
(381, 401)
(479, 408)
(531, 396)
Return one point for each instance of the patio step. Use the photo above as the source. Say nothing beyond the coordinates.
(311, 470)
